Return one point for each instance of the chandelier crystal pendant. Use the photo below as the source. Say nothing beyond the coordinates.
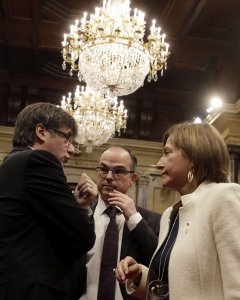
(108, 49)
(98, 116)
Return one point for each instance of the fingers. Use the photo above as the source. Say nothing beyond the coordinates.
(123, 201)
(86, 190)
(128, 268)
(86, 184)
(122, 269)
(84, 180)
(120, 198)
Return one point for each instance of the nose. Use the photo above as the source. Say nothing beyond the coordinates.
(160, 164)
(109, 175)
(71, 149)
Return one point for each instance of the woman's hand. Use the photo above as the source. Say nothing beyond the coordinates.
(128, 268)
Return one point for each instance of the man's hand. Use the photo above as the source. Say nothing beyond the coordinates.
(128, 268)
(121, 200)
(86, 191)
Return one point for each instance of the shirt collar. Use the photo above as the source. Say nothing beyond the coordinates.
(102, 206)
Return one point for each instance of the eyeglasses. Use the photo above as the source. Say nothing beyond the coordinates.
(68, 137)
(117, 172)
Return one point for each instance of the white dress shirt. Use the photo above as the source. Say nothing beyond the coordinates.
(93, 259)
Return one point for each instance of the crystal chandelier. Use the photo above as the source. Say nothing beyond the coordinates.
(98, 116)
(108, 49)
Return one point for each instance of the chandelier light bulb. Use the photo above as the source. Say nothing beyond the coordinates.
(216, 102)
(197, 120)
(108, 50)
(98, 116)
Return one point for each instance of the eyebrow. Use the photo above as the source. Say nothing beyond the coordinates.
(70, 132)
(167, 148)
(104, 165)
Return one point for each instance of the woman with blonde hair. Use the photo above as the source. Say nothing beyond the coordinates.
(198, 253)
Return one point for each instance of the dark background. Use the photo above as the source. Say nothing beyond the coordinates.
(204, 39)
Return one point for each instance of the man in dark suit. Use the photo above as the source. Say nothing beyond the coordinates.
(138, 227)
(43, 228)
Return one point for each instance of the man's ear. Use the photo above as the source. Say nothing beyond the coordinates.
(40, 131)
(135, 176)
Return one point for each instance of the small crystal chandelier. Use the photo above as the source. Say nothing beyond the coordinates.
(98, 116)
(108, 49)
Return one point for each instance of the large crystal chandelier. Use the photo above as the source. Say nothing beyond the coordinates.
(109, 52)
(98, 116)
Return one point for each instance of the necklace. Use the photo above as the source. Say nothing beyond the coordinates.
(158, 289)
(170, 248)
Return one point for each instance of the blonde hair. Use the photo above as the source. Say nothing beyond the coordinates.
(204, 147)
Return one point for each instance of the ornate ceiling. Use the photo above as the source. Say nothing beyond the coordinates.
(204, 37)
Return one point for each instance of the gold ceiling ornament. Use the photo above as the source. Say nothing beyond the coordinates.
(98, 116)
(108, 49)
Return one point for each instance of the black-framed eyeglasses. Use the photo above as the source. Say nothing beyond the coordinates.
(117, 172)
(68, 137)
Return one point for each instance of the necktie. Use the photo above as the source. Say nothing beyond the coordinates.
(107, 280)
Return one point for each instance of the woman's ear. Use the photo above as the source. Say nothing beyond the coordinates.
(192, 166)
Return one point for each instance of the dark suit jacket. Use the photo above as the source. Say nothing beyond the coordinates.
(43, 231)
(140, 243)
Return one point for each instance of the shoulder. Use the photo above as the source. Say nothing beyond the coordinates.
(28, 153)
(208, 192)
(44, 155)
(17, 158)
(28, 158)
(219, 201)
(226, 193)
(221, 191)
(227, 186)
(223, 209)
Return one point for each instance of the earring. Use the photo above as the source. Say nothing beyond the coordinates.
(190, 176)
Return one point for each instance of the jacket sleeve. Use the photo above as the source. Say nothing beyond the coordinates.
(226, 234)
(52, 202)
(140, 291)
(145, 235)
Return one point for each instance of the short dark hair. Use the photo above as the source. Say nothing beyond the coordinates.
(131, 154)
(47, 114)
(204, 146)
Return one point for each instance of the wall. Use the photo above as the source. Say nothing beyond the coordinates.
(227, 121)
(147, 192)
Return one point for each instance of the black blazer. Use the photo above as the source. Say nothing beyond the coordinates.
(43, 231)
(140, 243)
